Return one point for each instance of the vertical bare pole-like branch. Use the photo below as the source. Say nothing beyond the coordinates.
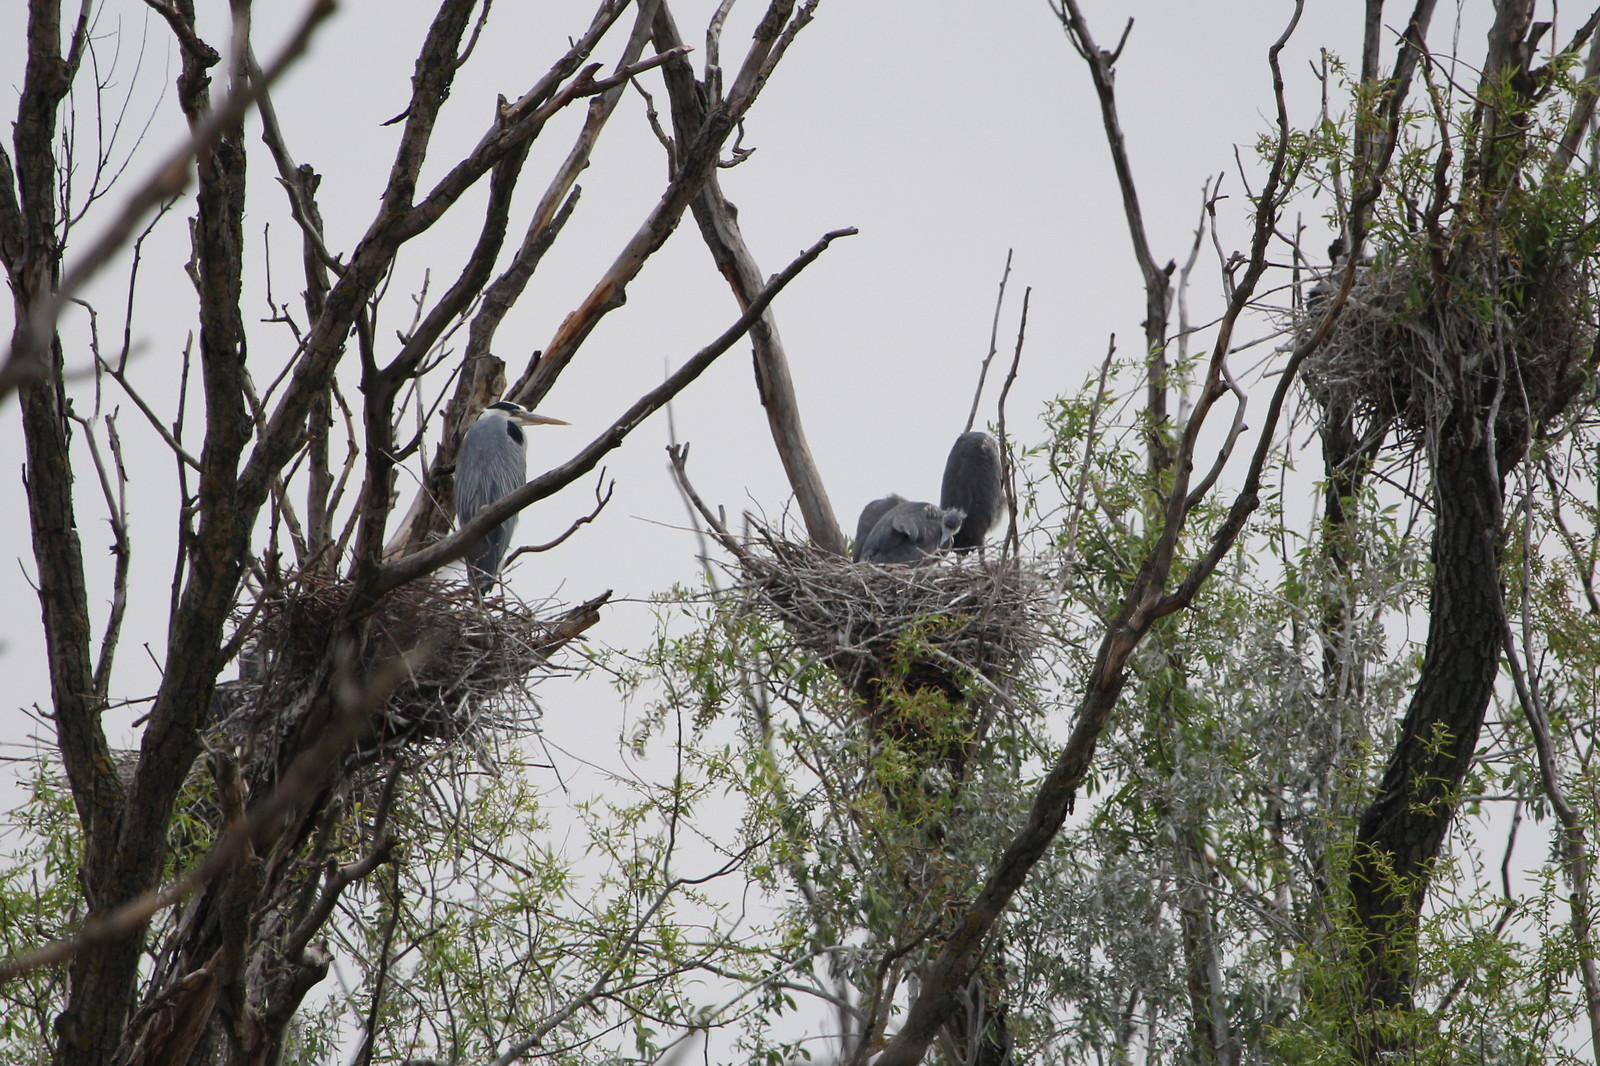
(994, 337)
(28, 224)
(719, 229)
(1157, 279)
(300, 184)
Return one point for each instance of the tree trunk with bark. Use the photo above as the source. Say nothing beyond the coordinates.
(1402, 831)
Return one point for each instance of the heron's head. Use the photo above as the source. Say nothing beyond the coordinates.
(951, 525)
(515, 412)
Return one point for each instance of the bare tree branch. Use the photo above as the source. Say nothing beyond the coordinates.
(994, 334)
(719, 229)
(168, 180)
(600, 501)
(1157, 279)
(408, 568)
(695, 162)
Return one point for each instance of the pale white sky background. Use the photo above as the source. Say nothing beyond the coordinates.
(946, 132)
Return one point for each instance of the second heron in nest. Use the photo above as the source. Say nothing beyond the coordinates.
(972, 485)
(895, 530)
(909, 532)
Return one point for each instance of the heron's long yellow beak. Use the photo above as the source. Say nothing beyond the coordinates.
(534, 418)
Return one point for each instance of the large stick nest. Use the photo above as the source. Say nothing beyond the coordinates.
(469, 667)
(966, 627)
(1416, 341)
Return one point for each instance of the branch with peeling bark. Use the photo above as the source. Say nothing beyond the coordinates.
(483, 379)
(696, 159)
(719, 228)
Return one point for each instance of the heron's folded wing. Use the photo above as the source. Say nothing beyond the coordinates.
(907, 520)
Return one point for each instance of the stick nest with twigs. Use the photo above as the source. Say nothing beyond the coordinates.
(1513, 335)
(966, 627)
(468, 666)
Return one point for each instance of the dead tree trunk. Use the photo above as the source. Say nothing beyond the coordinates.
(719, 228)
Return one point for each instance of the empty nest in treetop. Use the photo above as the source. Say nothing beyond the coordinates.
(466, 666)
(1409, 346)
(964, 626)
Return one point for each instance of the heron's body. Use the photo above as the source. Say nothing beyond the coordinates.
(911, 532)
(491, 461)
(972, 484)
(869, 519)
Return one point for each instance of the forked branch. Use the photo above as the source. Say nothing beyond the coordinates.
(408, 568)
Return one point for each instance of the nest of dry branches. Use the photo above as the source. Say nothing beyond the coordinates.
(465, 666)
(1415, 341)
(966, 627)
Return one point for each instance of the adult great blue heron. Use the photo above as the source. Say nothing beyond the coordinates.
(492, 460)
(910, 532)
(972, 483)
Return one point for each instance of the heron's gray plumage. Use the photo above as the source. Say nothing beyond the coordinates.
(972, 484)
(869, 518)
(491, 461)
(911, 532)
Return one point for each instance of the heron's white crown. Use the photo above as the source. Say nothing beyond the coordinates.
(515, 412)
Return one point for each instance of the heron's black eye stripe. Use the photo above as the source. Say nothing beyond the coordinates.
(514, 431)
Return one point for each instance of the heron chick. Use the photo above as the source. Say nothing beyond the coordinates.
(911, 532)
(870, 514)
(972, 484)
(492, 460)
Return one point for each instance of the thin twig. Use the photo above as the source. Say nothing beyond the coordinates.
(994, 337)
(1007, 464)
(600, 498)
(168, 180)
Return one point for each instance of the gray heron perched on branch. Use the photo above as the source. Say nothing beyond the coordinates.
(909, 531)
(492, 460)
(972, 484)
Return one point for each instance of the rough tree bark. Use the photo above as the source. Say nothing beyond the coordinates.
(1480, 427)
(1402, 830)
(30, 237)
